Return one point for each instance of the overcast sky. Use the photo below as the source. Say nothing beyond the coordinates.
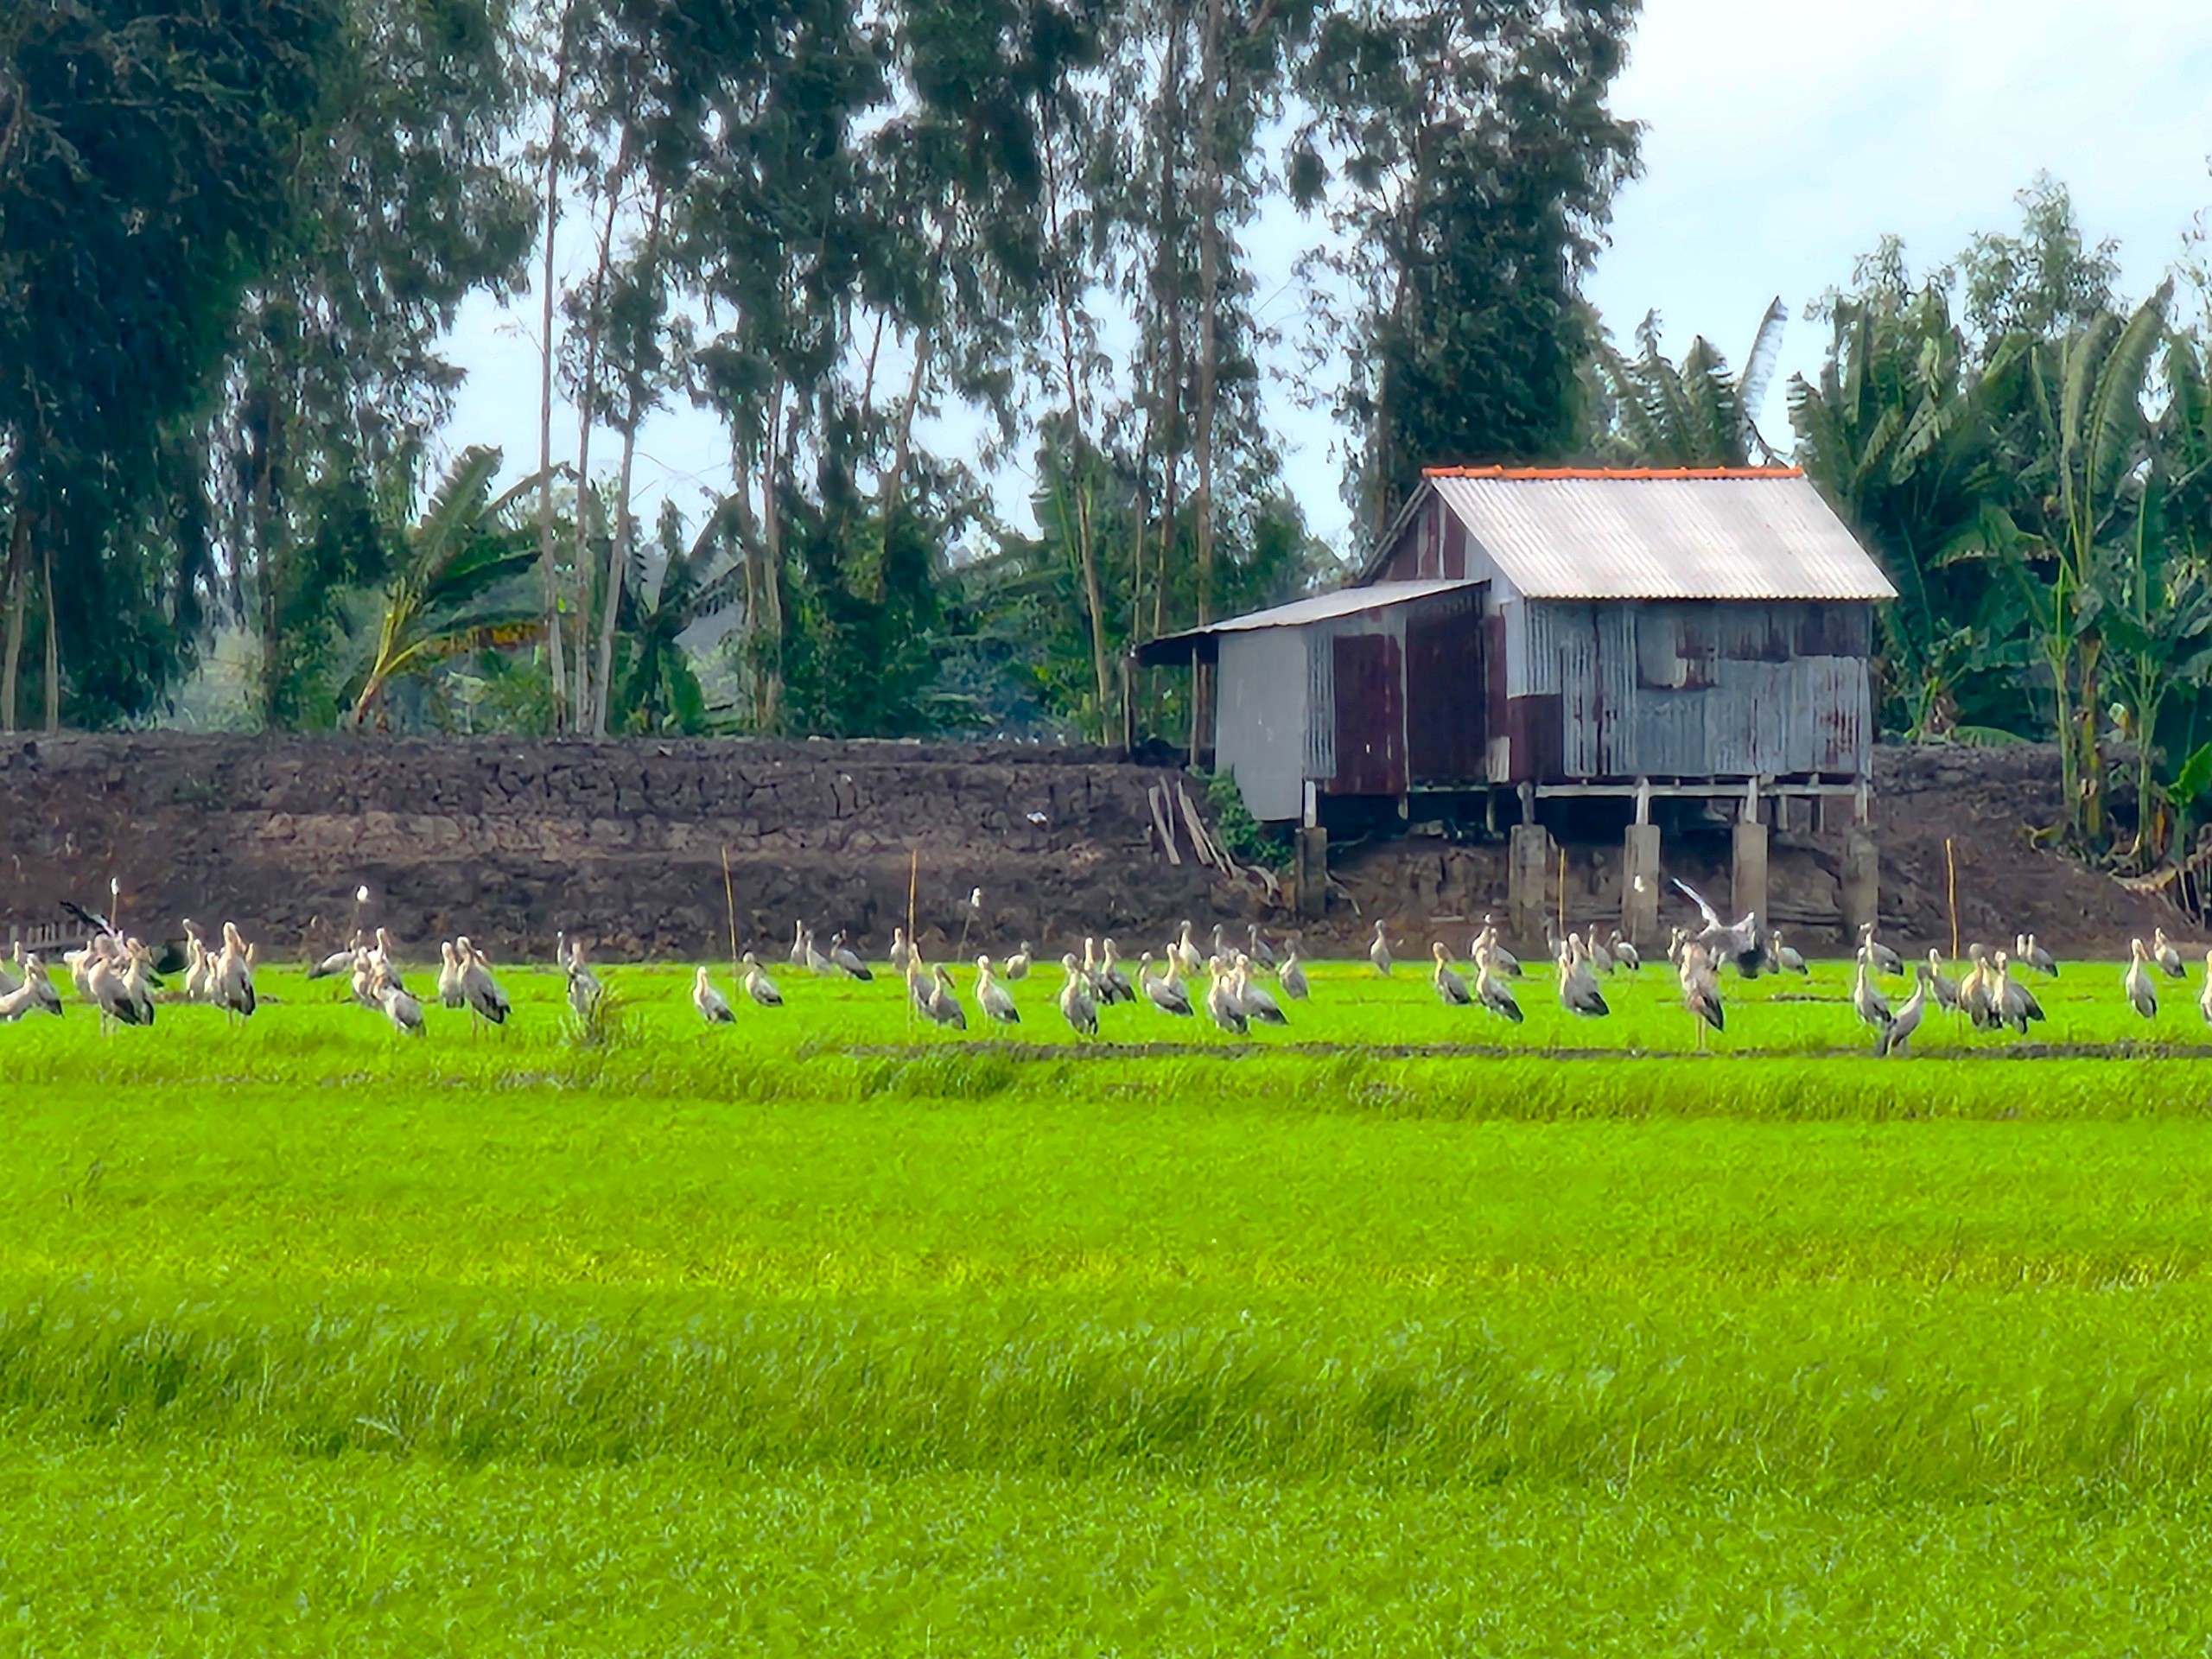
(1783, 137)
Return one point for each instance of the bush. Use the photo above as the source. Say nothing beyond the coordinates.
(1243, 836)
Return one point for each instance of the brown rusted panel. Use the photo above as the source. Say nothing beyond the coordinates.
(1534, 724)
(1402, 563)
(1447, 735)
(1494, 713)
(1455, 565)
(1370, 716)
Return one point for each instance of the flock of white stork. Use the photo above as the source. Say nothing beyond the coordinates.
(115, 974)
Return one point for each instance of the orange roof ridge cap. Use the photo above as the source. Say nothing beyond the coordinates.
(1644, 474)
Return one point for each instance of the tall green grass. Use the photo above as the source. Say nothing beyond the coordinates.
(1930, 1395)
(249, 1552)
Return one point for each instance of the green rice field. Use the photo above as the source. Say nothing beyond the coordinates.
(1400, 1330)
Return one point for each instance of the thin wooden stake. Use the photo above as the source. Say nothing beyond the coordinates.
(1562, 889)
(914, 938)
(730, 908)
(1951, 871)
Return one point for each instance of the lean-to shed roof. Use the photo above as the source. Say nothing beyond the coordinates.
(1318, 607)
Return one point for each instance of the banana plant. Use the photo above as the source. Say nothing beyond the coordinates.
(1698, 414)
(1898, 430)
(2087, 393)
(655, 689)
(448, 596)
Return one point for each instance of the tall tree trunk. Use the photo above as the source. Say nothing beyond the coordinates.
(545, 536)
(587, 413)
(1210, 209)
(266, 541)
(768, 675)
(1086, 539)
(14, 591)
(1167, 295)
(894, 485)
(52, 645)
(617, 555)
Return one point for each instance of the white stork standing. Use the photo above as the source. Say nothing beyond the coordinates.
(1899, 1033)
(1866, 996)
(1163, 990)
(1223, 1006)
(449, 977)
(2168, 953)
(993, 998)
(758, 986)
(1254, 999)
(1379, 952)
(478, 989)
(846, 959)
(2142, 993)
(713, 1007)
(1077, 1007)
(1578, 986)
(1451, 990)
(399, 1004)
(233, 986)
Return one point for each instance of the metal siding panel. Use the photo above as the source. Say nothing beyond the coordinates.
(1320, 705)
(1446, 696)
(1371, 715)
(1541, 626)
(1578, 692)
(1259, 721)
(1616, 649)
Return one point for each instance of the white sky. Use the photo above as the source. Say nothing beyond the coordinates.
(1783, 137)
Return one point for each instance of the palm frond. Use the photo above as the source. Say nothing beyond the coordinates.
(1759, 365)
(2113, 415)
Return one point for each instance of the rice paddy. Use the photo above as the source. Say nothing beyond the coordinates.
(1400, 1330)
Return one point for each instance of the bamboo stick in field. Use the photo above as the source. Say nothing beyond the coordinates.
(730, 908)
(1951, 872)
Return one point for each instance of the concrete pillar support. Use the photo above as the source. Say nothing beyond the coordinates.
(1310, 872)
(1640, 885)
(1747, 872)
(1862, 876)
(1529, 867)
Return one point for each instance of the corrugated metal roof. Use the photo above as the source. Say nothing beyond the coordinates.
(1592, 535)
(1319, 607)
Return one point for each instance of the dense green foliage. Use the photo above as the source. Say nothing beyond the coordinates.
(813, 1335)
(846, 234)
(829, 228)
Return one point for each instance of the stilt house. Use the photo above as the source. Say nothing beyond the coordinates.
(1550, 632)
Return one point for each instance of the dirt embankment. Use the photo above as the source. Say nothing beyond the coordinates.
(1985, 802)
(623, 843)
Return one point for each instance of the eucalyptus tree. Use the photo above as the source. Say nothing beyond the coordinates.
(1466, 153)
(770, 236)
(121, 276)
(403, 203)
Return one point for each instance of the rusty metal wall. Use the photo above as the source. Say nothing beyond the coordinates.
(1447, 696)
(1686, 690)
